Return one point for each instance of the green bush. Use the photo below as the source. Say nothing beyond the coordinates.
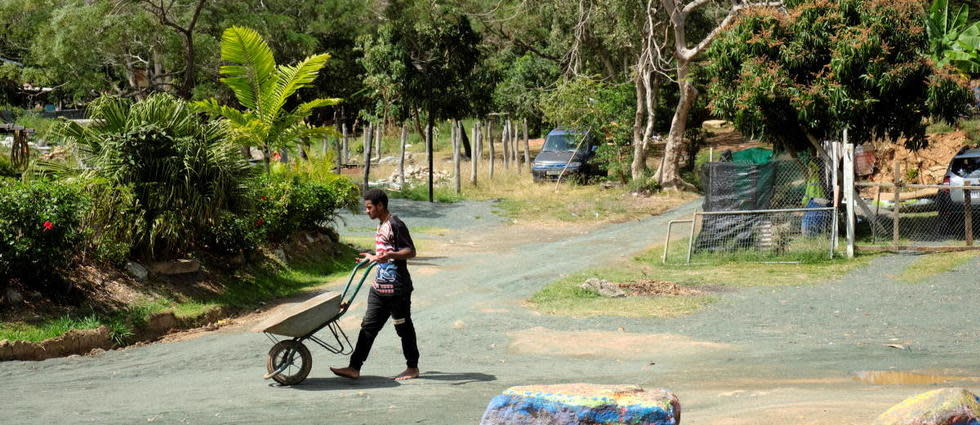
(232, 234)
(39, 229)
(167, 175)
(6, 168)
(286, 204)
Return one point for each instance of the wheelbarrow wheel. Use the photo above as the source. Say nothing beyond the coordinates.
(293, 361)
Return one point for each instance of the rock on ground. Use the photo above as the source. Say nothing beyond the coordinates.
(603, 288)
(570, 404)
(948, 406)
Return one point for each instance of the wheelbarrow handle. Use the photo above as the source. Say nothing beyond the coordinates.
(367, 272)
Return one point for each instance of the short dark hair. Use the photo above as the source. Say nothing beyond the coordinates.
(376, 196)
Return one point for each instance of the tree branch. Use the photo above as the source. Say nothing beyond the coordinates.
(689, 54)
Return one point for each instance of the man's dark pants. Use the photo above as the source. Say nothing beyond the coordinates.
(379, 308)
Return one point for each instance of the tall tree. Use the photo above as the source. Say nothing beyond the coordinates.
(430, 55)
(684, 54)
(181, 16)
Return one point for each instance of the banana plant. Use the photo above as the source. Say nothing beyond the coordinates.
(262, 89)
(953, 40)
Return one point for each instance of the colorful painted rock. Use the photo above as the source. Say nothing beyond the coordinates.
(948, 406)
(571, 404)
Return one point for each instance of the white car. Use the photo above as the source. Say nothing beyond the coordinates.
(964, 170)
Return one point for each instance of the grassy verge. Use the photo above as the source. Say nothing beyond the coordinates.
(246, 289)
(707, 273)
(930, 265)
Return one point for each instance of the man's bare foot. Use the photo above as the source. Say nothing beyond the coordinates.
(410, 373)
(347, 372)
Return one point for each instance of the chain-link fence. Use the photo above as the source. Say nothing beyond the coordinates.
(769, 210)
(917, 217)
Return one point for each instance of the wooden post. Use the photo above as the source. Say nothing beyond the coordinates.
(336, 152)
(504, 142)
(475, 154)
(513, 144)
(849, 194)
(490, 142)
(457, 141)
(345, 154)
(527, 148)
(367, 155)
(401, 160)
(896, 209)
(428, 148)
(968, 217)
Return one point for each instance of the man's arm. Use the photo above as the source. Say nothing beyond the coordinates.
(402, 254)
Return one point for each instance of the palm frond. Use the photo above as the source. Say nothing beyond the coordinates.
(253, 65)
(290, 78)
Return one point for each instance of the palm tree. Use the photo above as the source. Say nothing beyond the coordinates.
(262, 88)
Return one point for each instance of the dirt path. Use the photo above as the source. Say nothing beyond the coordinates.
(789, 355)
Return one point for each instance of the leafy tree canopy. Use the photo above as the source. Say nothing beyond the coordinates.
(825, 66)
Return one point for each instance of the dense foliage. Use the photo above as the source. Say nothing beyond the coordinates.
(39, 229)
(827, 66)
(166, 173)
(263, 89)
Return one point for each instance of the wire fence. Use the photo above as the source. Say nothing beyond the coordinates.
(917, 217)
(778, 210)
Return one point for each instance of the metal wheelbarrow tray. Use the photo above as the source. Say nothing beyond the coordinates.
(289, 361)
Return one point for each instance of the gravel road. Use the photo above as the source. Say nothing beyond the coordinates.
(760, 355)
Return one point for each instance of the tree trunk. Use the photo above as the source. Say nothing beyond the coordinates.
(669, 173)
(467, 150)
(428, 148)
(639, 165)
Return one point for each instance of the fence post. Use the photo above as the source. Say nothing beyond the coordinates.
(690, 241)
(401, 160)
(367, 155)
(457, 137)
(896, 209)
(476, 155)
(346, 152)
(849, 194)
(968, 217)
(838, 149)
(490, 141)
(527, 148)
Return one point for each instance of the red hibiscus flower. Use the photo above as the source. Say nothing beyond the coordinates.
(47, 226)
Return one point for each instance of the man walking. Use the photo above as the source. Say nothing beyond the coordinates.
(391, 292)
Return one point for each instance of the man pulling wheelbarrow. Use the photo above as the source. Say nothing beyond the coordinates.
(391, 291)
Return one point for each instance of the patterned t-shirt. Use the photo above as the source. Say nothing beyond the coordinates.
(393, 277)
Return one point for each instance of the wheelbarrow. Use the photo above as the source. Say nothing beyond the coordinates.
(289, 361)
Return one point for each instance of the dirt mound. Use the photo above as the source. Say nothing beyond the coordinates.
(924, 166)
(660, 288)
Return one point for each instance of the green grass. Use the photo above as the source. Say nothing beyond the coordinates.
(972, 130)
(939, 127)
(927, 266)
(735, 270)
(20, 331)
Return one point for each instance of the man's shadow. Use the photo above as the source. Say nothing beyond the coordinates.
(367, 381)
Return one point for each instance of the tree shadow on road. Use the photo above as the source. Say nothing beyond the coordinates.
(365, 382)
